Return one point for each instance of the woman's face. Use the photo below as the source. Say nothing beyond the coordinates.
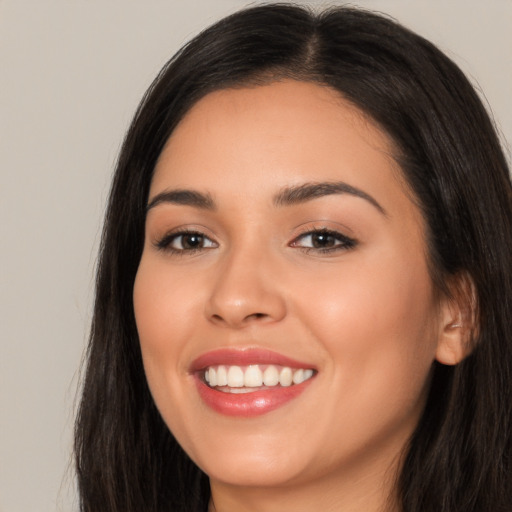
(285, 262)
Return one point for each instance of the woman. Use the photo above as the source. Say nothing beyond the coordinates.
(304, 285)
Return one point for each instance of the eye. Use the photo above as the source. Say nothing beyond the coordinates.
(324, 241)
(185, 241)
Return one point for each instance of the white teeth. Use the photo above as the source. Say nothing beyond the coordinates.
(239, 379)
(222, 376)
(286, 377)
(239, 391)
(212, 377)
(298, 376)
(271, 376)
(235, 377)
(253, 377)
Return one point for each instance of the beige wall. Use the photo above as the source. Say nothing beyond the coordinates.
(71, 74)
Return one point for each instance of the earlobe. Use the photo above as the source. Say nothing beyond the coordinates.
(452, 348)
(458, 321)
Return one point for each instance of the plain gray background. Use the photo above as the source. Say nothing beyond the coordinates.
(71, 75)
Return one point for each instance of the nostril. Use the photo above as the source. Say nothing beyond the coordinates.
(241, 307)
(254, 316)
(258, 318)
(242, 320)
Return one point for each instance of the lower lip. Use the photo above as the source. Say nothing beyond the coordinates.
(249, 404)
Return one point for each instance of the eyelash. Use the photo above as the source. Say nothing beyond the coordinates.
(165, 243)
(341, 242)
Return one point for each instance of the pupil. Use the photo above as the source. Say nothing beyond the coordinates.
(323, 240)
(192, 241)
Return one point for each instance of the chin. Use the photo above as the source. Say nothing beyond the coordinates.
(253, 471)
(263, 459)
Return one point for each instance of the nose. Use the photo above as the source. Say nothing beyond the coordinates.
(245, 291)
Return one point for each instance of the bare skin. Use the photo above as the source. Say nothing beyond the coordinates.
(335, 277)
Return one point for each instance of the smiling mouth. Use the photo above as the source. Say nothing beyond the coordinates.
(249, 382)
(248, 379)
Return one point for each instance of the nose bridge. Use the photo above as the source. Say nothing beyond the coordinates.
(246, 288)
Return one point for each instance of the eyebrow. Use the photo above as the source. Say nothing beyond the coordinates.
(183, 197)
(287, 197)
(309, 191)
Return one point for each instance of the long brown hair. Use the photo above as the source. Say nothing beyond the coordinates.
(459, 458)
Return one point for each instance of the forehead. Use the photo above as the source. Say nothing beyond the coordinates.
(276, 135)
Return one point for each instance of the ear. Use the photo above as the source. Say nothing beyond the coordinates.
(458, 325)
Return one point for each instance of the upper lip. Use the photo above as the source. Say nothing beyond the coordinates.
(244, 357)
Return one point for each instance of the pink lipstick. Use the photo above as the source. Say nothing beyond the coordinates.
(249, 382)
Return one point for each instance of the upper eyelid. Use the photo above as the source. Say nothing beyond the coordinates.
(324, 224)
(343, 242)
(182, 229)
(164, 240)
(326, 231)
(310, 228)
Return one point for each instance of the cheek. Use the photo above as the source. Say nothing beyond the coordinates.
(379, 324)
(165, 304)
(381, 343)
(166, 309)
(163, 308)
